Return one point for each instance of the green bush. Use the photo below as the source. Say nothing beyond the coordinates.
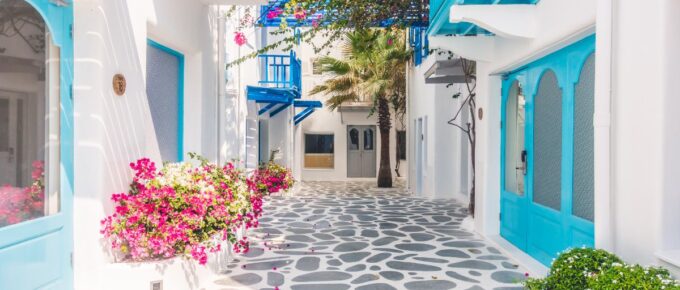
(633, 277)
(579, 269)
(571, 270)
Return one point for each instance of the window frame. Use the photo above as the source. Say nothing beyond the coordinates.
(180, 94)
(304, 150)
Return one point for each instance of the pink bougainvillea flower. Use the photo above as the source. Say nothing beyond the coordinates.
(240, 38)
(274, 13)
(20, 204)
(185, 210)
(300, 14)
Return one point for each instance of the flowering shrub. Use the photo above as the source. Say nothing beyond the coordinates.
(598, 269)
(21, 204)
(271, 178)
(633, 277)
(181, 210)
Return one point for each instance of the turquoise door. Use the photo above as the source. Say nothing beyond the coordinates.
(547, 153)
(36, 145)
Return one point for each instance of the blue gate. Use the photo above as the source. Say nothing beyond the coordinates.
(547, 153)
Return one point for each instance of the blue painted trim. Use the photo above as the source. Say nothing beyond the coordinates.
(441, 16)
(15, 240)
(279, 109)
(269, 95)
(307, 104)
(303, 115)
(180, 93)
(540, 231)
(266, 109)
(440, 10)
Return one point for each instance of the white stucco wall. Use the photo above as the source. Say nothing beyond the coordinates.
(111, 131)
(645, 158)
(447, 159)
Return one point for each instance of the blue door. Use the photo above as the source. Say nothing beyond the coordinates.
(547, 153)
(36, 145)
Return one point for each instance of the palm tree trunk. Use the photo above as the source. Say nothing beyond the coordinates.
(384, 124)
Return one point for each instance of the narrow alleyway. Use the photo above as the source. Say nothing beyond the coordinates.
(337, 235)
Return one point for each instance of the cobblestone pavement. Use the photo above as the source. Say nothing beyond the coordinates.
(351, 235)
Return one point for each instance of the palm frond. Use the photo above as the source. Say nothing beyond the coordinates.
(334, 66)
(318, 89)
(337, 100)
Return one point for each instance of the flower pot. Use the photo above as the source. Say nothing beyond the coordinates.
(179, 273)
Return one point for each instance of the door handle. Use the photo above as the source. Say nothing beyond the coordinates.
(525, 162)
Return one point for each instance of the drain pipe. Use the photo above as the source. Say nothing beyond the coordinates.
(604, 211)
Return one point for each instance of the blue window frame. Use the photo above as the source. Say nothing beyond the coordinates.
(165, 77)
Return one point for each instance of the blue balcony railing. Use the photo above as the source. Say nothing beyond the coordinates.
(281, 71)
(417, 15)
(420, 44)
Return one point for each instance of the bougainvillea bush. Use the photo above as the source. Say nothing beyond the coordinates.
(271, 178)
(181, 209)
(599, 270)
(22, 204)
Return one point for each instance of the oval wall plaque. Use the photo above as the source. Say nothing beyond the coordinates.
(119, 84)
(480, 113)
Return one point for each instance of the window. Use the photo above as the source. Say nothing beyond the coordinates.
(401, 143)
(165, 90)
(368, 140)
(29, 118)
(319, 151)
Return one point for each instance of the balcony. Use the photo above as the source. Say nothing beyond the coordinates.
(280, 87)
(440, 12)
(420, 43)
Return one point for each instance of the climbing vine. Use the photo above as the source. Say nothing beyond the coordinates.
(328, 28)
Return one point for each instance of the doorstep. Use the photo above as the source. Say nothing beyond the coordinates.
(535, 268)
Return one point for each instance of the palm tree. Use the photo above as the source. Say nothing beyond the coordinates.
(373, 68)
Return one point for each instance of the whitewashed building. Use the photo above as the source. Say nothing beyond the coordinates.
(323, 145)
(91, 86)
(576, 125)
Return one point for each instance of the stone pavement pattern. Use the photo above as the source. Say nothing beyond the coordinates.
(351, 235)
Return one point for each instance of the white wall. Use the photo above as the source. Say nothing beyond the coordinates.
(445, 161)
(111, 131)
(646, 163)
